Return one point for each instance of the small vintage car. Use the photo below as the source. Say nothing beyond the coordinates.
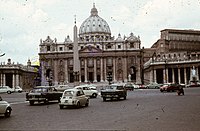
(169, 87)
(5, 108)
(73, 97)
(43, 94)
(89, 90)
(6, 89)
(153, 85)
(114, 91)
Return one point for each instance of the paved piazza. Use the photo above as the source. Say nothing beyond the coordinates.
(147, 109)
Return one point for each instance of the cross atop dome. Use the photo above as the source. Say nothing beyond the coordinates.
(94, 11)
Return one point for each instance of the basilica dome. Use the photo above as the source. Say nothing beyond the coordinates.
(94, 24)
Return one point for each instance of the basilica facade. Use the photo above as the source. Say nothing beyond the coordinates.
(99, 54)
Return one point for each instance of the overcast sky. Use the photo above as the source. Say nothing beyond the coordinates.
(24, 22)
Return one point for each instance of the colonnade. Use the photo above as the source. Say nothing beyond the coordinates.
(187, 75)
(15, 78)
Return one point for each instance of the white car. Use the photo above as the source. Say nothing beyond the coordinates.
(18, 89)
(6, 89)
(73, 97)
(5, 108)
(62, 87)
(88, 91)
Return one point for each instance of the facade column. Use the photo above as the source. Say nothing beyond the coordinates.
(13, 80)
(105, 66)
(179, 75)
(95, 70)
(86, 70)
(185, 76)
(4, 79)
(66, 72)
(125, 70)
(56, 72)
(43, 81)
(114, 70)
(173, 78)
(102, 70)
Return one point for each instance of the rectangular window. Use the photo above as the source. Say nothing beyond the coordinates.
(61, 48)
(48, 48)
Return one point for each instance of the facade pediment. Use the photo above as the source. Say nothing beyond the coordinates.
(88, 49)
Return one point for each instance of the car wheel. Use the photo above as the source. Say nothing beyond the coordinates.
(104, 98)
(31, 103)
(78, 105)
(8, 112)
(9, 92)
(124, 97)
(87, 103)
(61, 106)
(161, 90)
(94, 95)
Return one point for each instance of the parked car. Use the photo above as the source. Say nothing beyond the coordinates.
(141, 86)
(43, 94)
(63, 87)
(88, 91)
(18, 89)
(129, 86)
(114, 91)
(73, 97)
(153, 85)
(5, 108)
(6, 89)
(169, 87)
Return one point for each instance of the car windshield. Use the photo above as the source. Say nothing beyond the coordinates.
(39, 90)
(115, 87)
(69, 93)
(129, 85)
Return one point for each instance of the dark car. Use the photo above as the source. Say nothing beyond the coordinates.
(114, 91)
(169, 87)
(43, 94)
(129, 86)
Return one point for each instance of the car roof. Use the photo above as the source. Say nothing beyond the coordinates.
(73, 89)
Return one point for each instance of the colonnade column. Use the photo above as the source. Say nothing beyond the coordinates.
(185, 76)
(155, 77)
(1, 80)
(102, 70)
(66, 72)
(85, 70)
(197, 70)
(151, 76)
(13, 81)
(167, 80)
(114, 70)
(173, 78)
(4, 79)
(95, 70)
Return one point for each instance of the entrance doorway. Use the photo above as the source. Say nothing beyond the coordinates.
(91, 77)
